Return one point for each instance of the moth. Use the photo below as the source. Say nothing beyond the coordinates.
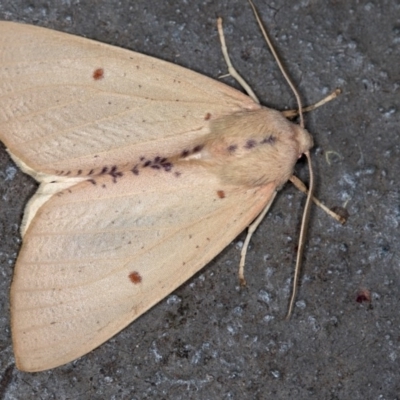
(146, 171)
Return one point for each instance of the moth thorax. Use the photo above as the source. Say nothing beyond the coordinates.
(254, 148)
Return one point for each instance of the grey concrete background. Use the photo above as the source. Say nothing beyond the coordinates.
(210, 339)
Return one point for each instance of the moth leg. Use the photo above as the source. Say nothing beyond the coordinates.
(231, 69)
(302, 187)
(250, 231)
(294, 113)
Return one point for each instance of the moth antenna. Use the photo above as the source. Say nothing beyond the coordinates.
(278, 61)
(307, 206)
(302, 236)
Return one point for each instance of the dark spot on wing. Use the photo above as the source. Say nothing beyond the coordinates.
(232, 148)
(268, 140)
(167, 166)
(158, 163)
(198, 148)
(135, 277)
(135, 170)
(98, 74)
(115, 173)
(221, 194)
(250, 144)
(185, 153)
(207, 116)
(92, 181)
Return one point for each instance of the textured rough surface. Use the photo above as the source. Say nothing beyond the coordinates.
(211, 339)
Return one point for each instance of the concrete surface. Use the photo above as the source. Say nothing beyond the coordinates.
(210, 339)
